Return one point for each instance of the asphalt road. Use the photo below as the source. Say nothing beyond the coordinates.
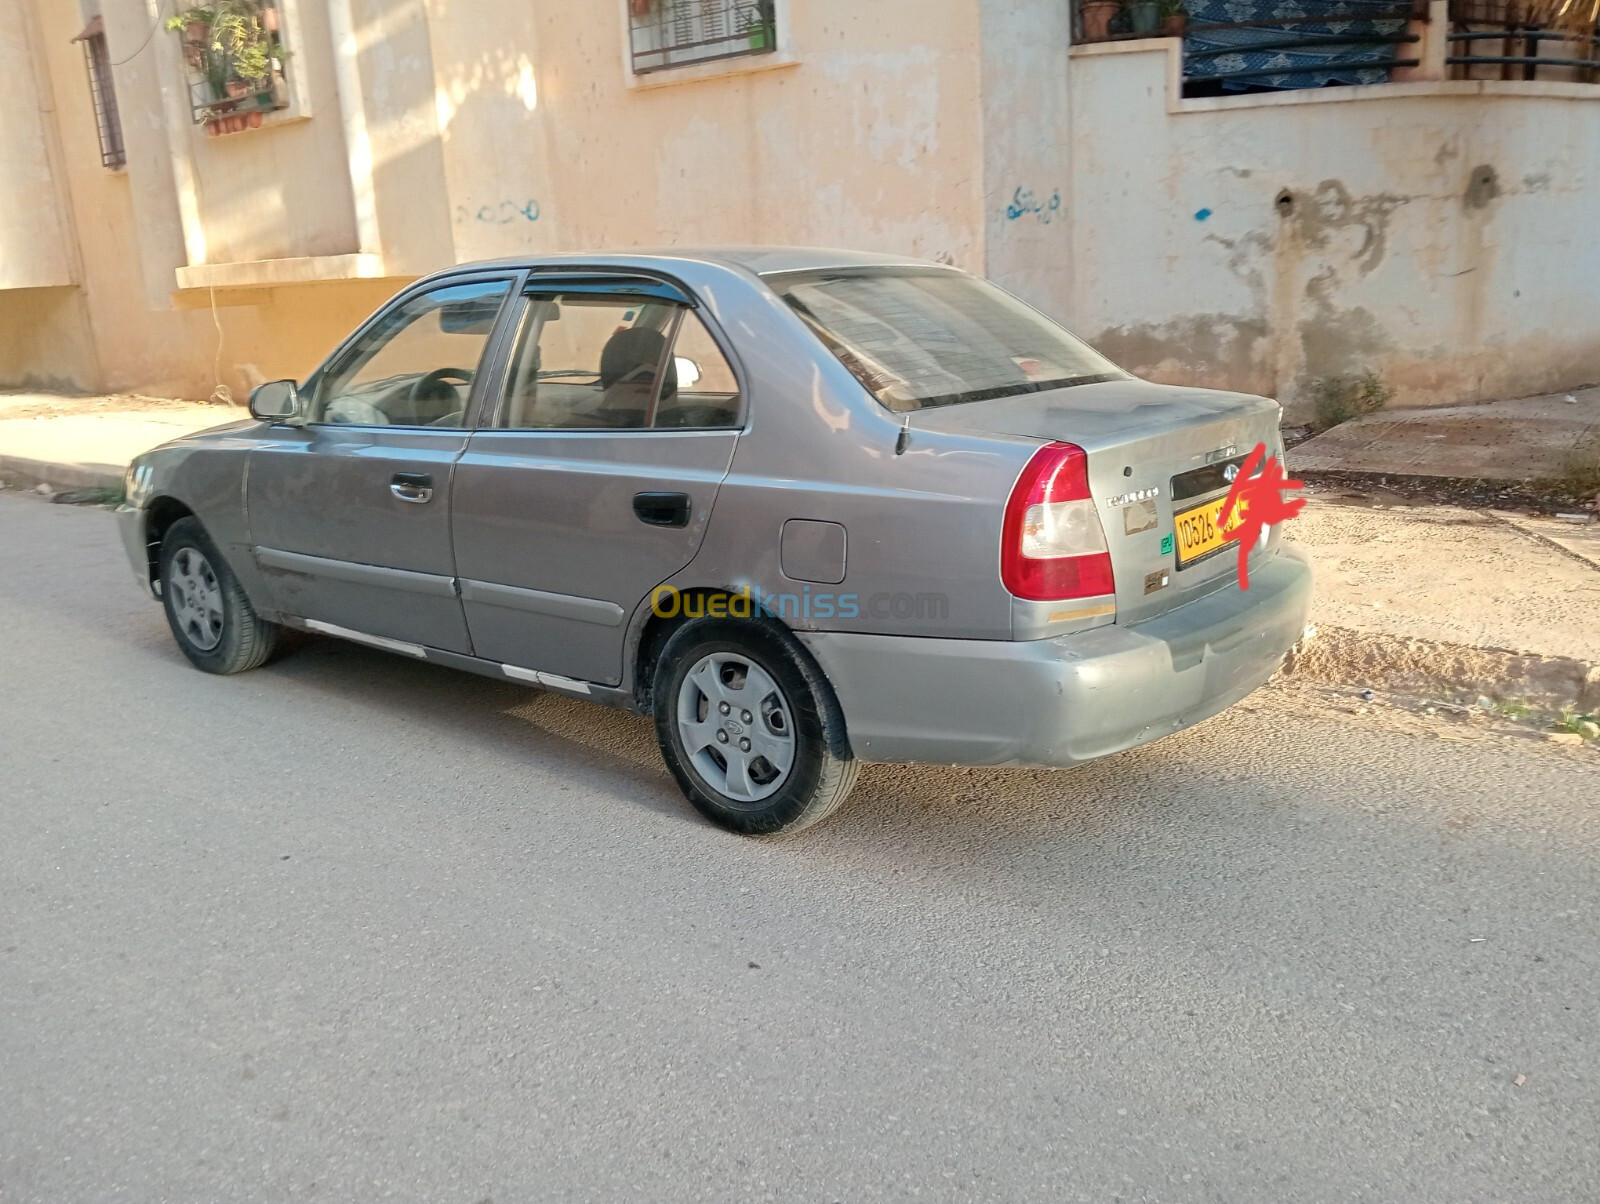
(352, 928)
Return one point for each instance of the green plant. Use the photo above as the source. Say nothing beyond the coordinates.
(237, 31)
(190, 16)
(1509, 708)
(1173, 8)
(237, 43)
(1587, 726)
(1340, 398)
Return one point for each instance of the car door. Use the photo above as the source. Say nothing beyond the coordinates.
(593, 480)
(350, 512)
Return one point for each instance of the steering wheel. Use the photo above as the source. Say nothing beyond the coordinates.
(428, 388)
(352, 411)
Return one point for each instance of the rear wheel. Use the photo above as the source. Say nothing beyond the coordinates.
(749, 728)
(211, 618)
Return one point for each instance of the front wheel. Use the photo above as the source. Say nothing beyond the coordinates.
(749, 728)
(211, 618)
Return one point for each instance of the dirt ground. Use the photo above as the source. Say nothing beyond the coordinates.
(22, 404)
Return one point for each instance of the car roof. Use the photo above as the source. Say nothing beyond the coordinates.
(762, 261)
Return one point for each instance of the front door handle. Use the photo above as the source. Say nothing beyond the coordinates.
(412, 487)
(663, 509)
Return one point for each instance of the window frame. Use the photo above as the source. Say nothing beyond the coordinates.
(599, 281)
(103, 95)
(780, 54)
(490, 360)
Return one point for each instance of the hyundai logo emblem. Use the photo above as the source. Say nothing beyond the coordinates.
(1230, 473)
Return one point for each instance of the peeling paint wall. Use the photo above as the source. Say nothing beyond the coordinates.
(1439, 238)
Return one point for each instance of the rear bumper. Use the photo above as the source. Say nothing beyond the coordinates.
(1071, 699)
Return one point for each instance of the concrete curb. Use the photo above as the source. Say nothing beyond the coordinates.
(1343, 656)
(17, 470)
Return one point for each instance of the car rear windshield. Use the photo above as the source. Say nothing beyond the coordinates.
(920, 338)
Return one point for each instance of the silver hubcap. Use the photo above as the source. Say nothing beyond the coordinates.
(196, 599)
(737, 727)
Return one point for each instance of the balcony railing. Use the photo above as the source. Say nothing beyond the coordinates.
(1490, 39)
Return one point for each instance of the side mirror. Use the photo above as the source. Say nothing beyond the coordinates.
(275, 401)
(688, 372)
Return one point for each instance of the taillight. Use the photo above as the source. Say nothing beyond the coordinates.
(1052, 545)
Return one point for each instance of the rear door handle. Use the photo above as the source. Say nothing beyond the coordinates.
(412, 487)
(663, 509)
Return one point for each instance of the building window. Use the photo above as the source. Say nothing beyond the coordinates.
(108, 122)
(235, 53)
(675, 33)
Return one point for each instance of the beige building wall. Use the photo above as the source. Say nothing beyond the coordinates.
(423, 133)
(864, 133)
(35, 222)
(429, 132)
(44, 335)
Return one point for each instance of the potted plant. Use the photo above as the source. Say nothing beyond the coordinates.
(1174, 18)
(1097, 16)
(195, 26)
(193, 23)
(1144, 17)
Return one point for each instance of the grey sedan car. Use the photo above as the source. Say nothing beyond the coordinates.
(807, 508)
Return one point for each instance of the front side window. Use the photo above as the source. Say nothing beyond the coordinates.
(920, 338)
(589, 361)
(675, 33)
(416, 365)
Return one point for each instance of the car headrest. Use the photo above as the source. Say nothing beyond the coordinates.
(629, 351)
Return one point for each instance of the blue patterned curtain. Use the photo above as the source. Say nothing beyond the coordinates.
(1325, 22)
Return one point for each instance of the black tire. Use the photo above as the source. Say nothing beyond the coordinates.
(243, 640)
(822, 772)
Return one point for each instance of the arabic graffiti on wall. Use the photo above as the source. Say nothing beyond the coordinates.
(1025, 203)
(503, 214)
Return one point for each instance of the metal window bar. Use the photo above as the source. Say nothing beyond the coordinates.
(103, 91)
(673, 33)
(1515, 42)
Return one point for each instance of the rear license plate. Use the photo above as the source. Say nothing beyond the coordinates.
(1200, 532)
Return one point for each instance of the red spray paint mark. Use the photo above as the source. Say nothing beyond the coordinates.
(1258, 493)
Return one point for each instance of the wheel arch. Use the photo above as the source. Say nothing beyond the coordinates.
(694, 604)
(159, 515)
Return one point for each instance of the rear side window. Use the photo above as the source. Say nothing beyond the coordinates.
(917, 338)
(588, 361)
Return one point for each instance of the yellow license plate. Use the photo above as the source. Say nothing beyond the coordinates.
(1200, 531)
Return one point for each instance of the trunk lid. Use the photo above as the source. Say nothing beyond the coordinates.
(1141, 437)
